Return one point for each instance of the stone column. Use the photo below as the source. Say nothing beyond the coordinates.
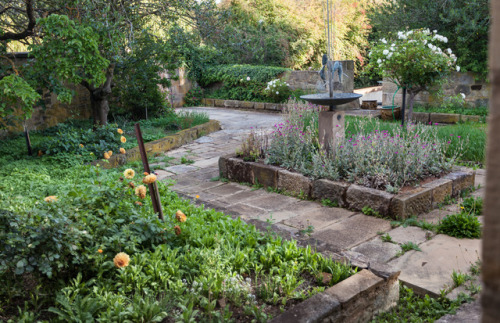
(331, 129)
(491, 236)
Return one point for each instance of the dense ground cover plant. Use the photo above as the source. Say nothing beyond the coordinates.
(378, 158)
(461, 225)
(77, 138)
(193, 97)
(239, 82)
(455, 109)
(413, 61)
(89, 239)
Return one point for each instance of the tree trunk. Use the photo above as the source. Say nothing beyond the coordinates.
(411, 101)
(99, 98)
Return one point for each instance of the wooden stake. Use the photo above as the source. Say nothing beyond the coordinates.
(153, 188)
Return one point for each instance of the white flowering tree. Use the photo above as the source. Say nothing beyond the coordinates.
(415, 61)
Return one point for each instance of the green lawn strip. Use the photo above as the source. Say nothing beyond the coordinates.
(57, 257)
(470, 137)
(478, 111)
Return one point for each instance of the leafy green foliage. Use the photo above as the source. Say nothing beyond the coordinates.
(459, 278)
(407, 246)
(193, 97)
(69, 52)
(461, 225)
(366, 210)
(412, 308)
(277, 90)
(386, 238)
(68, 246)
(329, 203)
(413, 61)
(17, 97)
(415, 222)
(239, 82)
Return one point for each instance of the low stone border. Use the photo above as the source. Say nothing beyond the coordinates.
(247, 105)
(397, 206)
(161, 145)
(426, 117)
(357, 299)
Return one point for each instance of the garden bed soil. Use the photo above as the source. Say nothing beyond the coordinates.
(410, 201)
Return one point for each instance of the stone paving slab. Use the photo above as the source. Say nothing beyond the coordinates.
(378, 251)
(352, 231)
(273, 202)
(227, 189)
(409, 234)
(180, 169)
(207, 162)
(243, 196)
(429, 271)
(247, 211)
(318, 216)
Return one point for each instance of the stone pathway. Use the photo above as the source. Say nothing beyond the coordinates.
(335, 231)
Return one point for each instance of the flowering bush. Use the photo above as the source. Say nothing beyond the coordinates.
(193, 97)
(379, 158)
(277, 90)
(413, 61)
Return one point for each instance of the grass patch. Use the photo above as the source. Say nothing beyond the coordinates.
(477, 111)
(413, 221)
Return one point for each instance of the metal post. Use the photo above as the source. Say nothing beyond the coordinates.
(28, 142)
(153, 188)
(403, 106)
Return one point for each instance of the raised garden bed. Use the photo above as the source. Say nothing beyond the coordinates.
(162, 145)
(407, 203)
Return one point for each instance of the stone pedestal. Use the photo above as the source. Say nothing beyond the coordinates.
(331, 129)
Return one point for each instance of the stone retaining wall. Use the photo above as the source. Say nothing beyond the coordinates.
(357, 299)
(161, 145)
(397, 206)
(476, 91)
(246, 105)
(428, 117)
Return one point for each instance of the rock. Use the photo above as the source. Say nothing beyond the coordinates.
(327, 189)
(414, 203)
(444, 118)
(358, 197)
(266, 175)
(294, 183)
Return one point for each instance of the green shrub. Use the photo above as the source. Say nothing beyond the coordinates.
(461, 225)
(239, 82)
(193, 97)
(277, 90)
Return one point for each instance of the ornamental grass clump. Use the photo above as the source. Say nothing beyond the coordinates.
(378, 158)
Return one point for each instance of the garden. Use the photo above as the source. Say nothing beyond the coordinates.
(82, 243)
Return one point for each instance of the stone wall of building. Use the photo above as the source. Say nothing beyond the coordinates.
(477, 92)
(178, 89)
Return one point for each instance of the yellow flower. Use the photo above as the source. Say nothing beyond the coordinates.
(99, 250)
(106, 155)
(149, 179)
(138, 203)
(119, 131)
(129, 173)
(81, 145)
(145, 173)
(462, 207)
(123, 139)
(121, 260)
(131, 184)
(177, 230)
(140, 191)
(197, 196)
(50, 199)
(122, 151)
(110, 153)
(181, 217)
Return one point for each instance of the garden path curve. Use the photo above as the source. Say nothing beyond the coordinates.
(334, 231)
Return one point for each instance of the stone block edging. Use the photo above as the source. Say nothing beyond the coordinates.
(397, 206)
(450, 118)
(357, 299)
(246, 105)
(161, 145)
